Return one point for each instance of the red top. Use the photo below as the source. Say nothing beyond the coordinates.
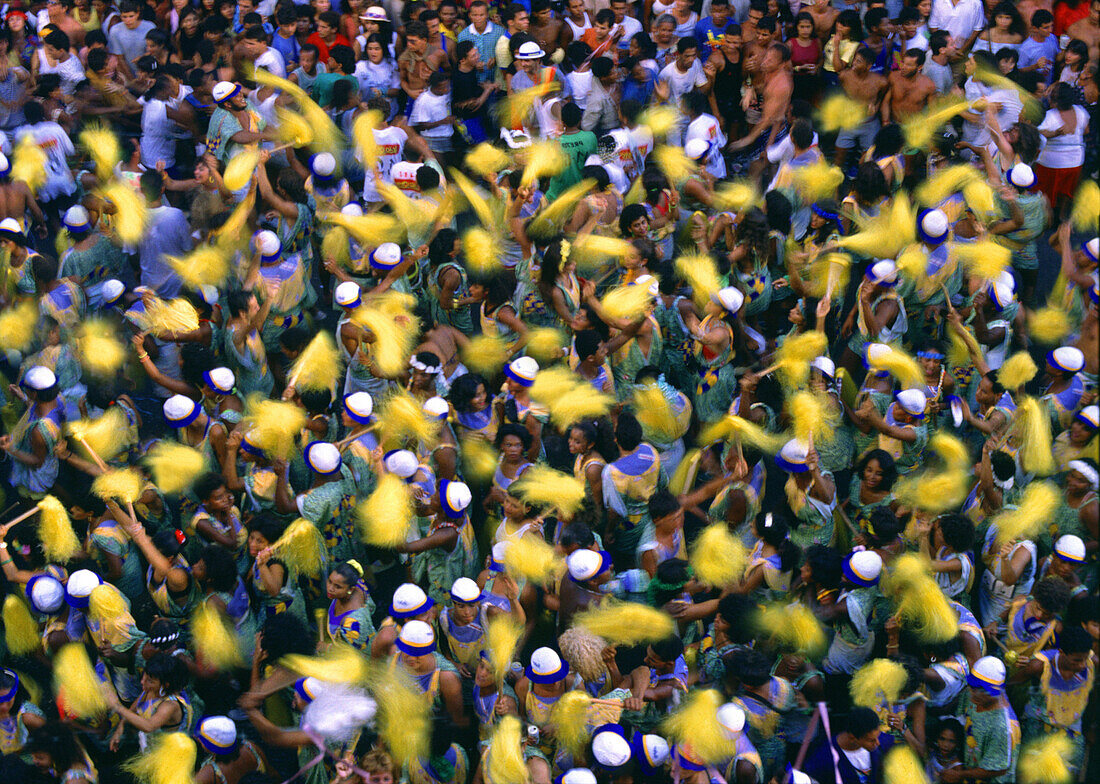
(317, 41)
(1066, 14)
(804, 55)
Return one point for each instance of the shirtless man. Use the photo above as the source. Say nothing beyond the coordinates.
(419, 60)
(544, 26)
(867, 88)
(576, 22)
(446, 343)
(1088, 30)
(909, 91)
(16, 198)
(755, 48)
(824, 16)
(776, 98)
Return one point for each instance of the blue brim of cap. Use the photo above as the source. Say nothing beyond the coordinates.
(400, 615)
(855, 578)
(547, 678)
(991, 689)
(794, 468)
(215, 748)
(517, 378)
(179, 423)
(414, 650)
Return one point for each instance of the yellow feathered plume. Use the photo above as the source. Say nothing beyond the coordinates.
(21, 634)
(581, 402)
(1033, 514)
(920, 128)
(983, 259)
(517, 109)
(341, 663)
(131, 216)
(28, 163)
(937, 491)
(839, 112)
(240, 168)
(1045, 760)
(626, 623)
(1017, 370)
(701, 273)
(479, 460)
(485, 354)
(105, 603)
(326, 136)
(234, 233)
(369, 230)
(362, 130)
(674, 164)
(403, 420)
(553, 382)
(273, 425)
(877, 682)
(550, 221)
(718, 557)
(292, 128)
(748, 432)
(817, 181)
(318, 367)
(102, 146)
(502, 635)
(1049, 325)
(659, 118)
(404, 716)
(795, 354)
(944, 183)
(394, 332)
(899, 365)
(206, 265)
(887, 234)
(98, 348)
(169, 759)
(482, 250)
(735, 196)
(174, 467)
(1086, 207)
(544, 159)
(696, 725)
(570, 719)
(107, 435)
(336, 245)
(385, 516)
(545, 343)
(810, 415)
(55, 531)
(655, 414)
(215, 640)
(18, 326)
(979, 198)
(627, 302)
(477, 202)
(544, 486)
(951, 450)
(594, 251)
(76, 683)
(1032, 110)
(919, 601)
(416, 215)
(532, 559)
(302, 547)
(160, 317)
(504, 757)
(793, 627)
(902, 766)
(485, 159)
(124, 486)
(1031, 429)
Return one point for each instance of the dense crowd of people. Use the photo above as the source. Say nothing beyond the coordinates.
(452, 392)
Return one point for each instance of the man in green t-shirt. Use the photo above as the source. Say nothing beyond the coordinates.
(341, 66)
(577, 146)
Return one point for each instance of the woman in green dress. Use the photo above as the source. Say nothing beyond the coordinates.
(716, 341)
(872, 487)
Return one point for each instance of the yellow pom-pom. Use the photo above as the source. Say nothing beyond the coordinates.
(1046, 760)
(1034, 512)
(341, 663)
(730, 428)
(302, 547)
(945, 183)
(234, 233)
(76, 683)
(628, 302)
(98, 348)
(718, 557)
(902, 766)
(29, 163)
(273, 425)
(550, 221)
(701, 273)
(369, 230)
(131, 215)
(553, 382)
(292, 128)
(581, 402)
(656, 415)
(899, 365)
(877, 682)
(544, 159)
(626, 623)
(504, 757)
(106, 435)
(545, 344)
(404, 716)
(736, 196)
(362, 131)
(938, 491)
(175, 467)
(160, 317)
(570, 719)
(240, 168)
(169, 759)
(810, 416)
(336, 245)
(485, 159)
(479, 459)
(532, 559)
(696, 725)
(105, 602)
(793, 628)
(596, 252)
(206, 265)
(1017, 370)
(816, 181)
(984, 259)
(18, 326)
(1032, 432)
(393, 332)
(1049, 325)
(795, 354)
(318, 367)
(482, 250)
(544, 486)
(485, 354)
(102, 146)
(502, 636)
(404, 422)
(660, 119)
(215, 640)
(55, 530)
(1086, 207)
(21, 633)
(979, 198)
(124, 486)
(839, 112)
(386, 514)
(920, 128)
(921, 604)
(674, 164)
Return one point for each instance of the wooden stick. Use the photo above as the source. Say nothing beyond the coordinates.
(771, 369)
(98, 460)
(22, 517)
(348, 439)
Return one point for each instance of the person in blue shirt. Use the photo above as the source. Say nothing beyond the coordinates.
(708, 31)
(284, 41)
(1040, 48)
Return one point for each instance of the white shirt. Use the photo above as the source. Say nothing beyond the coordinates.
(391, 147)
(404, 177)
(706, 127)
(783, 150)
(157, 137)
(430, 107)
(1068, 151)
(631, 27)
(580, 82)
(57, 145)
(681, 83)
(272, 60)
(625, 152)
(641, 139)
(958, 20)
